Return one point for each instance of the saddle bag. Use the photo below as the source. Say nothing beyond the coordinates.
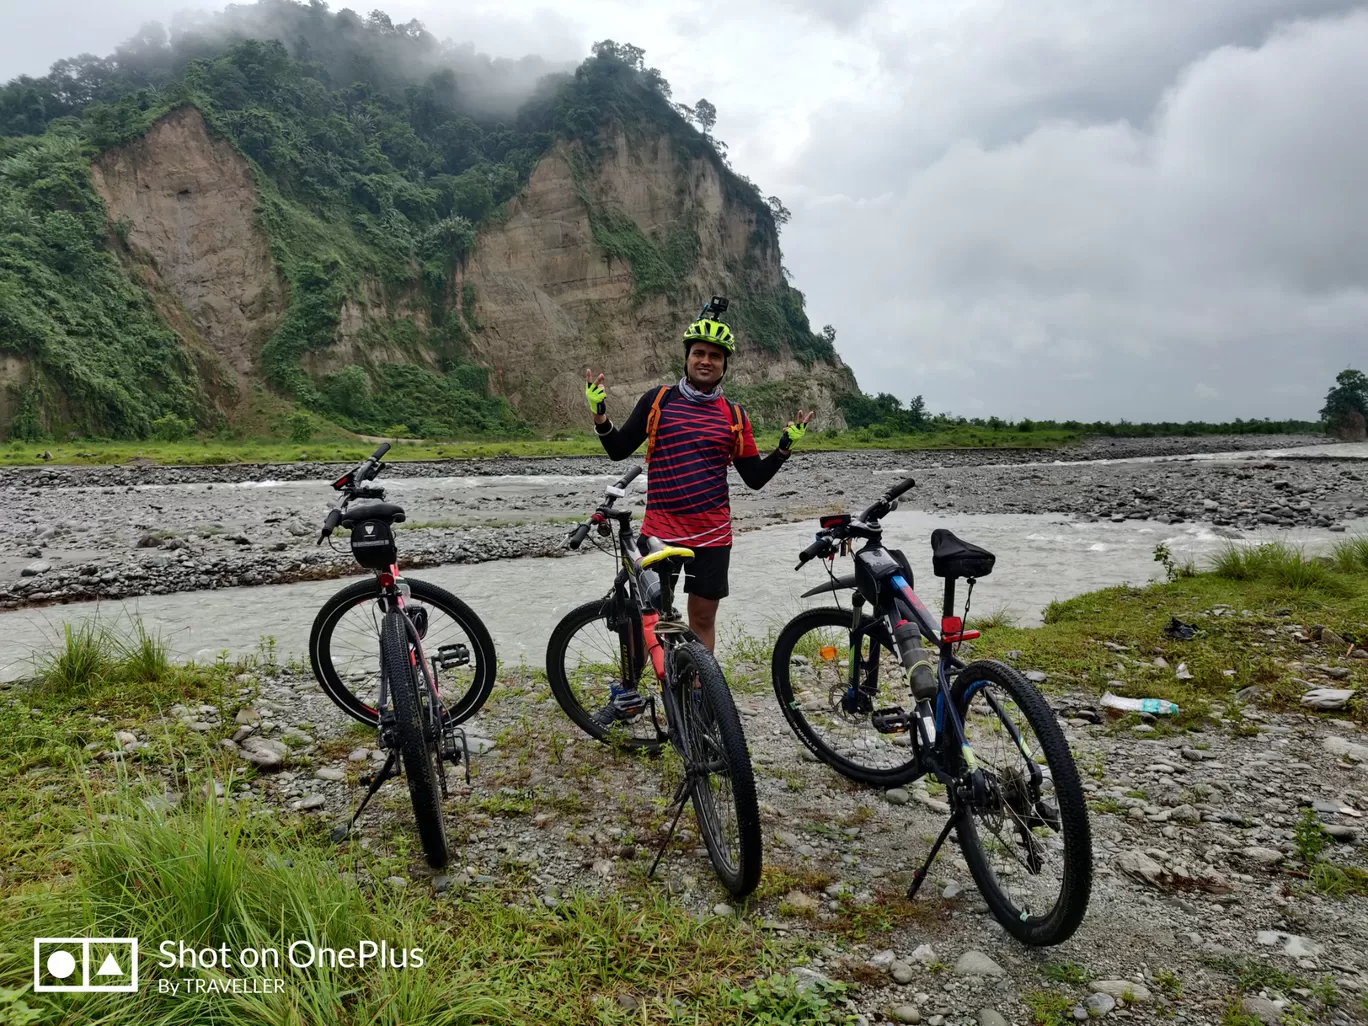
(372, 545)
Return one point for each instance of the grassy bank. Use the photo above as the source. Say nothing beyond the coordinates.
(222, 451)
(134, 847)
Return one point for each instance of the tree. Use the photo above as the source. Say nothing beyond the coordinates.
(781, 213)
(829, 333)
(706, 116)
(1346, 405)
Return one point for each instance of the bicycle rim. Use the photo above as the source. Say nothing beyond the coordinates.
(347, 635)
(812, 679)
(724, 792)
(1027, 843)
(585, 662)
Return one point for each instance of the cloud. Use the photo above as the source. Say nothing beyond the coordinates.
(1227, 233)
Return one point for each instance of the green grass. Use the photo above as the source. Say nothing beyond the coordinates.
(1279, 587)
(334, 445)
(1048, 1008)
(1066, 972)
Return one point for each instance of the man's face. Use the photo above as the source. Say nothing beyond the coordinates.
(705, 364)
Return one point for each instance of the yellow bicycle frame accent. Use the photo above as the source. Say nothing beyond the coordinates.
(668, 552)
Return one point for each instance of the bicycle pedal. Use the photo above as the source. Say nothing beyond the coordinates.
(893, 720)
(451, 656)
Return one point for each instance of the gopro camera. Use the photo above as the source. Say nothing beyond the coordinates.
(717, 305)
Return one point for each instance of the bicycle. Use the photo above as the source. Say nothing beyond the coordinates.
(1016, 804)
(398, 694)
(599, 652)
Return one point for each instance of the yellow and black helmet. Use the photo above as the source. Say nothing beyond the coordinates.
(710, 331)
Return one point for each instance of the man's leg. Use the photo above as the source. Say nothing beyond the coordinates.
(703, 619)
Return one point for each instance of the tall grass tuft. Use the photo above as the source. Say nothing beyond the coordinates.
(1276, 563)
(143, 656)
(86, 658)
(1350, 556)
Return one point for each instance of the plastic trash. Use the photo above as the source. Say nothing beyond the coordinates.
(1157, 706)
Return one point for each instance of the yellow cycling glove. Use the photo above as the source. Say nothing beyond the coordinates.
(596, 397)
(792, 433)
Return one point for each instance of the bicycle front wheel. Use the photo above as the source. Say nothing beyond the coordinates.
(1026, 837)
(587, 661)
(828, 709)
(346, 634)
(415, 735)
(713, 744)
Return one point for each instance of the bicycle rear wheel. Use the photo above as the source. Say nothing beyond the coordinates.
(724, 799)
(1027, 842)
(415, 735)
(346, 634)
(812, 679)
(586, 658)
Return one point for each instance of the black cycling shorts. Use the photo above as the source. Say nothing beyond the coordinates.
(706, 574)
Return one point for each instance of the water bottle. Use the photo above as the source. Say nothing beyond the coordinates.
(916, 660)
(1155, 706)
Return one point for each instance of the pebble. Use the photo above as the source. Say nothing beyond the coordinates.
(397, 882)
(976, 963)
(333, 773)
(1099, 1003)
(723, 909)
(1123, 990)
(1263, 856)
(924, 953)
(314, 801)
(1262, 1009)
(1037, 676)
(903, 973)
(990, 1017)
(897, 796)
(906, 1014)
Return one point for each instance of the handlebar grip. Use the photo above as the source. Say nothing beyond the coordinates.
(813, 551)
(628, 477)
(898, 489)
(330, 524)
(384, 448)
(578, 535)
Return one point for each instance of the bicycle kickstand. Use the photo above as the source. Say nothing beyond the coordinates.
(340, 833)
(680, 799)
(919, 877)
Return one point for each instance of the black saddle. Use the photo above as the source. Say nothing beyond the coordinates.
(385, 511)
(953, 557)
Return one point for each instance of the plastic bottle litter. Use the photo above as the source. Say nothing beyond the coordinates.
(1156, 706)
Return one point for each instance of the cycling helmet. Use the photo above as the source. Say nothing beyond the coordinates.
(710, 331)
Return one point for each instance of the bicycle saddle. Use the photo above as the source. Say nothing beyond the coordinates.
(386, 511)
(668, 552)
(954, 557)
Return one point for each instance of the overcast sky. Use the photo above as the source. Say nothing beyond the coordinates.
(1098, 209)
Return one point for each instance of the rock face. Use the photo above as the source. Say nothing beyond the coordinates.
(189, 201)
(542, 299)
(552, 303)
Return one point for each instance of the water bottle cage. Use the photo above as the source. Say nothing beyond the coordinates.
(922, 690)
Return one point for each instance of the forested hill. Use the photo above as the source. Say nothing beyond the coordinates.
(281, 206)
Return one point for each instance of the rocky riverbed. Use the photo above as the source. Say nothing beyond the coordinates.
(1201, 906)
(102, 532)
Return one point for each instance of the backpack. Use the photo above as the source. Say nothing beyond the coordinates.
(667, 392)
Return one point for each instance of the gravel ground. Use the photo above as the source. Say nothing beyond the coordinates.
(1195, 880)
(100, 532)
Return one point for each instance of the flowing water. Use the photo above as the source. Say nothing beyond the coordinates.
(1040, 558)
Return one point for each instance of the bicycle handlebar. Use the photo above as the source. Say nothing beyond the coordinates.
(628, 477)
(579, 534)
(887, 502)
(814, 550)
(347, 485)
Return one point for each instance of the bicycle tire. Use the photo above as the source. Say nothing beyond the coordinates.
(326, 622)
(716, 725)
(422, 766)
(781, 674)
(1062, 919)
(558, 675)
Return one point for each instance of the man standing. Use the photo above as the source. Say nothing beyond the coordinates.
(693, 433)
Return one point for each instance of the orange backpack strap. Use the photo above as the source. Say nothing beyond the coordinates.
(738, 426)
(653, 421)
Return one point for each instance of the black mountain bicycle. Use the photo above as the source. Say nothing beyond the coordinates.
(599, 652)
(403, 620)
(982, 730)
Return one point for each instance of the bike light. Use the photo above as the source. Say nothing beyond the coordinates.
(386, 579)
(951, 625)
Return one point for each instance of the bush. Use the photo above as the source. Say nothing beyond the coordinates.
(171, 428)
(301, 427)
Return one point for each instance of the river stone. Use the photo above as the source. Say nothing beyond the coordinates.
(1340, 832)
(897, 796)
(35, 569)
(1036, 676)
(1262, 1009)
(1263, 856)
(1139, 866)
(906, 1013)
(924, 953)
(976, 963)
(903, 973)
(314, 801)
(1346, 749)
(1123, 990)
(990, 1017)
(1327, 699)
(333, 773)
(1333, 641)
(263, 753)
(248, 716)
(1099, 1004)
